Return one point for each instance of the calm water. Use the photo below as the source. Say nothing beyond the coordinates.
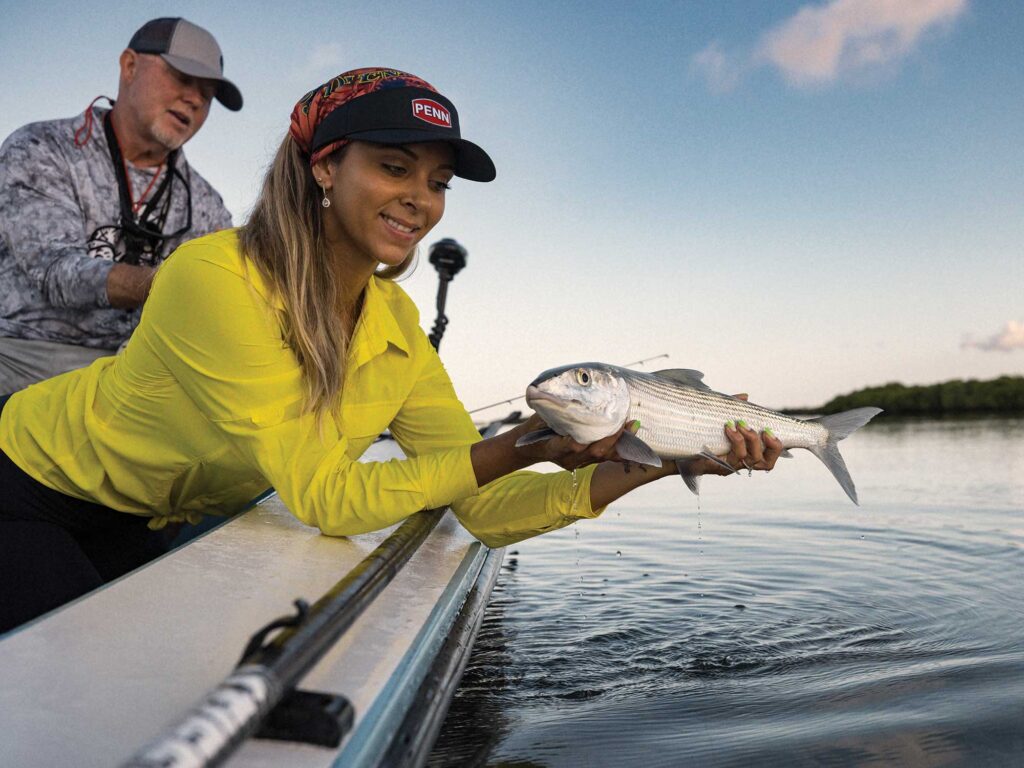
(773, 624)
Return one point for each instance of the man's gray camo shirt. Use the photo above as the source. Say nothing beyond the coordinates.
(59, 211)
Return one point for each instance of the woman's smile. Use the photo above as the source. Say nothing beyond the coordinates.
(399, 226)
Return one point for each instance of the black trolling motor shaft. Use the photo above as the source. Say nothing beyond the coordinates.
(448, 258)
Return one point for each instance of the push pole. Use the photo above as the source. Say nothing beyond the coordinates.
(448, 258)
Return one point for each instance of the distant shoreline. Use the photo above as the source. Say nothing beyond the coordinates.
(1003, 395)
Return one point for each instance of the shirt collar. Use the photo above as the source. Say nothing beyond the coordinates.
(377, 325)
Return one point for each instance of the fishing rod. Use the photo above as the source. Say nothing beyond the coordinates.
(247, 701)
(519, 397)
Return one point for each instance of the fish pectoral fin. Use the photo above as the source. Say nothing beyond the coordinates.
(632, 448)
(705, 454)
(786, 454)
(692, 481)
(537, 436)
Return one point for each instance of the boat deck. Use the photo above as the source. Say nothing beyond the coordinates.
(93, 682)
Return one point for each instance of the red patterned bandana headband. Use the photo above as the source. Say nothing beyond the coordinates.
(316, 105)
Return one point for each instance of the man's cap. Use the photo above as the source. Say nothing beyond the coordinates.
(190, 49)
(383, 106)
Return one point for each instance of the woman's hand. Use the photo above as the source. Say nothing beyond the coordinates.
(750, 450)
(499, 455)
(566, 452)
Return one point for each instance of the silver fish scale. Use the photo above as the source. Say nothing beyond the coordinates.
(678, 421)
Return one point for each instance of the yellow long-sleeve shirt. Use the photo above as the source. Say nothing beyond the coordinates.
(202, 411)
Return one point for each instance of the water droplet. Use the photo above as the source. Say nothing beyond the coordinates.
(572, 510)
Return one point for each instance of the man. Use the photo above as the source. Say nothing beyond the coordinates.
(89, 208)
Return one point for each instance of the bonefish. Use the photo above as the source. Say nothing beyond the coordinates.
(680, 417)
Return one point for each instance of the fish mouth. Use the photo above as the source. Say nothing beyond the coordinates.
(535, 394)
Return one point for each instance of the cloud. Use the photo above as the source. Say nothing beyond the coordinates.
(721, 71)
(1008, 339)
(820, 44)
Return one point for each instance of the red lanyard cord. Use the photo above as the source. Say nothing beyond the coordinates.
(137, 204)
(86, 127)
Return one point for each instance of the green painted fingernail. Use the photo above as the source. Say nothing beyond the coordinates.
(768, 431)
(636, 424)
(742, 423)
(730, 425)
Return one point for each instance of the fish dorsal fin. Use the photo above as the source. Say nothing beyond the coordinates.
(685, 376)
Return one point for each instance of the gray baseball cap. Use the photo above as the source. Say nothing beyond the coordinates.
(189, 49)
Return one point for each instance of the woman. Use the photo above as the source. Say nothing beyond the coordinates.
(273, 356)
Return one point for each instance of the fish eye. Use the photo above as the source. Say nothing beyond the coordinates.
(582, 377)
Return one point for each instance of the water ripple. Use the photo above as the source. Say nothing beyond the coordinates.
(768, 628)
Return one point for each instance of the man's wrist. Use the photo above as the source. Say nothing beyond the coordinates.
(128, 285)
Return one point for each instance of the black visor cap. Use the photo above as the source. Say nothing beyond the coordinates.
(405, 116)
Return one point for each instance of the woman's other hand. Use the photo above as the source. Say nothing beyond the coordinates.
(566, 452)
(749, 450)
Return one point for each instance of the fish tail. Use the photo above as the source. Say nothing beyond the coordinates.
(839, 426)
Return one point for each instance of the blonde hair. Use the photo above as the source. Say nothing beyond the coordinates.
(284, 239)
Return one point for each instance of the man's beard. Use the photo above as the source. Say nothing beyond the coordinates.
(166, 139)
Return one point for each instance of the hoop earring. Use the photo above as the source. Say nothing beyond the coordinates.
(326, 203)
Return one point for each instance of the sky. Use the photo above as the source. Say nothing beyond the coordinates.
(799, 198)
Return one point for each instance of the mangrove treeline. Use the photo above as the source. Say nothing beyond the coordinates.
(1002, 395)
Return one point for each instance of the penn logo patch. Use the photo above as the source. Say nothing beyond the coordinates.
(429, 111)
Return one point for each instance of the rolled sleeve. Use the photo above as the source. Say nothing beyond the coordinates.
(525, 504)
(451, 477)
